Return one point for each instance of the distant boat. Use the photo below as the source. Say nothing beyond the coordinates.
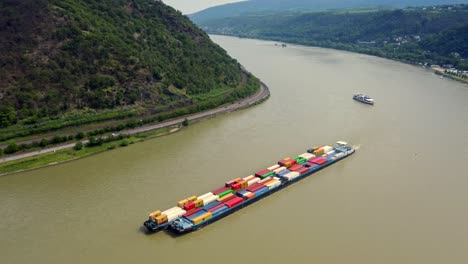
(363, 99)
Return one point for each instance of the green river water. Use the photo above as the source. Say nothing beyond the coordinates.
(400, 199)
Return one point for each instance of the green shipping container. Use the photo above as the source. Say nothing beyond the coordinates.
(270, 174)
(225, 193)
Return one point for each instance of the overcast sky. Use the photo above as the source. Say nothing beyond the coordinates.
(192, 6)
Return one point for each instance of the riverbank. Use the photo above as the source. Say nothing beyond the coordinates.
(65, 153)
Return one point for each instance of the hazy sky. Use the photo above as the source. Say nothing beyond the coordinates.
(192, 6)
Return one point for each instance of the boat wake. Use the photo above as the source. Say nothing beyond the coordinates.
(357, 147)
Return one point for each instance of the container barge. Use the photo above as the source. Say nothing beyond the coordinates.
(198, 211)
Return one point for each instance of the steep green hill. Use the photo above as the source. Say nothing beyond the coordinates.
(59, 56)
(436, 35)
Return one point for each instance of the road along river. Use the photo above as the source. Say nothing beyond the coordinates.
(400, 199)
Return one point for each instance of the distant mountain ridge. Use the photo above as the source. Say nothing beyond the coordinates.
(62, 55)
(259, 6)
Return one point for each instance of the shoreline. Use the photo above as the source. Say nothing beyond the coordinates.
(136, 135)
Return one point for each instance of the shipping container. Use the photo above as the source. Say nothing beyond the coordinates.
(205, 195)
(192, 211)
(319, 152)
(198, 203)
(243, 183)
(153, 215)
(225, 193)
(161, 219)
(211, 205)
(280, 169)
(220, 190)
(189, 206)
(292, 175)
(248, 178)
(273, 184)
(255, 187)
(233, 202)
(250, 195)
(196, 214)
(274, 167)
(192, 198)
(295, 167)
(220, 210)
(319, 161)
(225, 197)
(201, 218)
(303, 170)
(306, 155)
(175, 215)
(216, 207)
(236, 186)
(253, 181)
(210, 199)
(327, 149)
(261, 191)
(262, 172)
(182, 203)
(282, 173)
(170, 210)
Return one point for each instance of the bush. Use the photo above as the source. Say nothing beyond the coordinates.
(185, 122)
(1, 152)
(44, 142)
(78, 146)
(124, 143)
(12, 148)
(80, 135)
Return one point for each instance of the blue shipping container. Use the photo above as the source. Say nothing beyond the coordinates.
(281, 173)
(261, 191)
(219, 210)
(242, 192)
(201, 212)
(211, 205)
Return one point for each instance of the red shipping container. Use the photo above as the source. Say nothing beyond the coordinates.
(303, 170)
(295, 167)
(215, 208)
(233, 202)
(262, 172)
(319, 161)
(220, 190)
(229, 183)
(189, 206)
(236, 186)
(309, 164)
(192, 211)
(229, 198)
(255, 187)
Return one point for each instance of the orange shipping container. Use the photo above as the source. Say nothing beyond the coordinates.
(198, 203)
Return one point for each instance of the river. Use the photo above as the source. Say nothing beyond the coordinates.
(400, 199)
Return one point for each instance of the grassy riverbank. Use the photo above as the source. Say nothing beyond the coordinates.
(65, 155)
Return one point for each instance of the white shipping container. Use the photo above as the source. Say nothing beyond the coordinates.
(279, 169)
(274, 167)
(171, 210)
(306, 155)
(327, 148)
(265, 180)
(274, 184)
(253, 181)
(292, 175)
(248, 178)
(175, 215)
(330, 152)
(205, 195)
(210, 199)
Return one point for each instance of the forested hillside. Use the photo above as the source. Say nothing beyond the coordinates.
(437, 35)
(59, 56)
(263, 6)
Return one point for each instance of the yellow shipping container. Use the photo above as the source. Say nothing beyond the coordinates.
(225, 197)
(319, 152)
(154, 214)
(288, 164)
(244, 184)
(161, 219)
(192, 198)
(198, 203)
(201, 218)
(182, 203)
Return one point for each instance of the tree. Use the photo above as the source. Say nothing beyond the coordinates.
(78, 146)
(1, 152)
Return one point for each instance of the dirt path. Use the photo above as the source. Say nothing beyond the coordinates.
(262, 94)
